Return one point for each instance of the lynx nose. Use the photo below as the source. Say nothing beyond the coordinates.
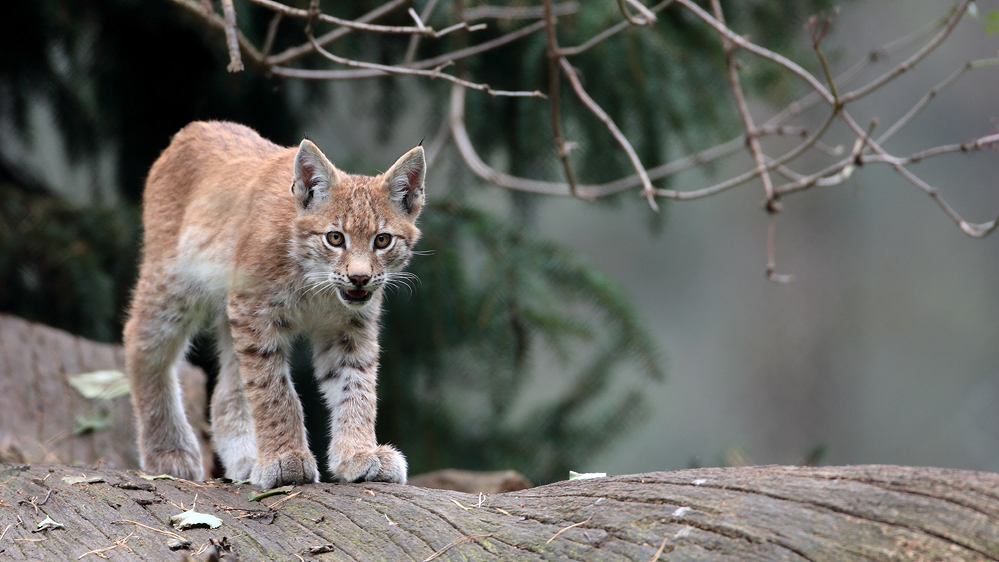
(359, 280)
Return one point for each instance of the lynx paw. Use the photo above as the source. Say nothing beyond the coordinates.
(239, 469)
(297, 467)
(381, 464)
(182, 464)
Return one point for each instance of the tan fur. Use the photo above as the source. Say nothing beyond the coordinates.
(236, 239)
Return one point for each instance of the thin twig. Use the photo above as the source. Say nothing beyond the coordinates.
(272, 28)
(414, 41)
(412, 71)
(5, 529)
(609, 32)
(120, 543)
(422, 64)
(752, 142)
(910, 62)
(659, 552)
(282, 500)
(454, 543)
(153, 529)
(519, 12)
(975, 230)
(247, 48)
(647, 190)
(754, 48)
(554, 78)
(353, 24)
(587, 520)
(922, 103)
(327, 38)
(647, 15)
(231, 40)
(772, 274)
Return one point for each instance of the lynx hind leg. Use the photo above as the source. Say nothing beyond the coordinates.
(232, 420)
(154, 342)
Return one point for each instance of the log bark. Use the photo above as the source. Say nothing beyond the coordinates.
(39, 409)
(868, 513)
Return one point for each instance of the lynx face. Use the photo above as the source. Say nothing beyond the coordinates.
(355, 232)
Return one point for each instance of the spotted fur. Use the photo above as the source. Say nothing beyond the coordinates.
(263, 243)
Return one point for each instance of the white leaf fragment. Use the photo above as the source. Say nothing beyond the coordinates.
(156, 477)
(573, 475)
(47, 524)
(82, 479)
(191, 518)
(107, 385)
(681, 511)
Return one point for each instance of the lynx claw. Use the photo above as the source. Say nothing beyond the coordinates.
(381, 464)
(290, 468)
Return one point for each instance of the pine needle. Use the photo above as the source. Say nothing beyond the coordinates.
(660, 551)
(454, 543)
(153, 529)
(569, 527)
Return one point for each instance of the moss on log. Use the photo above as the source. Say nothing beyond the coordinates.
(869, 513)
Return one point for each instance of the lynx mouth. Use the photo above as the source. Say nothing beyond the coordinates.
(355, 296)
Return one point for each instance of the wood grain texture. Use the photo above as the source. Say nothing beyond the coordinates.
(862, 513)
(39, 409)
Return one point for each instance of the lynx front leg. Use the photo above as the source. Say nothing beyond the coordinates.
(155, 336)
(232, 421)
(346, 368)
(283, 455)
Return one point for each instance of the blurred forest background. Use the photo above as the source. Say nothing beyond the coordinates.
(542, 332)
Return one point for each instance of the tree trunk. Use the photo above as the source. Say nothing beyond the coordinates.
(772, 513)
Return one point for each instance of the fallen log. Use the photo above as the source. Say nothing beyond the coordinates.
(770, 513)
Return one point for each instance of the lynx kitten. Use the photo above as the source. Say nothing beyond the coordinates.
(226, 246)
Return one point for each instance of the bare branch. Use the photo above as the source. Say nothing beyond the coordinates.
(423, 64)
(519, 13)
(352, 24)
(553, 95)
(648, 18)
(911, 61)
(647, 190)
(327, 38)
(609, 32)
(922, 103)
(753, 48)
(272, 28)
(480, 168)
(232, 42)
(414, 41)
(772, 274)
(411, 71)
(752, 143)
(216, 22)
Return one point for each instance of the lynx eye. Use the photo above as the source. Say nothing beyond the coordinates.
(334, 239)
(382, 240)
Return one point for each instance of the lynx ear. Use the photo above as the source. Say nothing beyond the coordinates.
(404, 181)
(315, 176)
